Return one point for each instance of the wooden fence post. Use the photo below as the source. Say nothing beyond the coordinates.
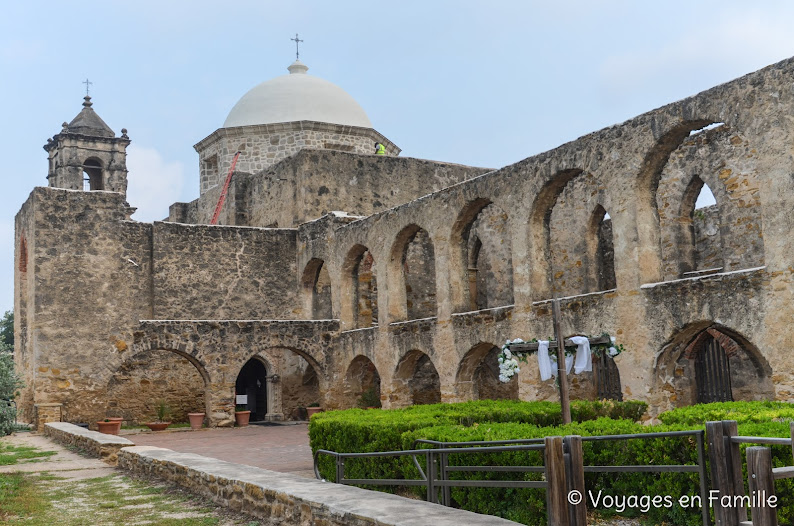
(557, 490)
(734, 457)
(574, 457)
(762, 485)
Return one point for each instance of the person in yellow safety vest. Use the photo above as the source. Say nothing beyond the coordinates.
(380, 149)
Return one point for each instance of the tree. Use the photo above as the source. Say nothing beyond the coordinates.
(7, 329)
(10, 382)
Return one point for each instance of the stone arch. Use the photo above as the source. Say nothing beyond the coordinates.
(93, 174)
(415, 381)
(647, 213)
(540, 232)
(750, 373)
(316, 290)
(295, 380)
(412, 275)
(147, 376)
(362, 383)
(478, 375)
(600, 255)
(482, 268)
(726, 235)
(361, 286)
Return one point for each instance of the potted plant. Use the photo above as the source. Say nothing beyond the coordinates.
(241, 416)
(313, 408)
(196, 420)
(109, 427)
(162, 411)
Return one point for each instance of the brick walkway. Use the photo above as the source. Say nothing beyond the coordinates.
(282, 448)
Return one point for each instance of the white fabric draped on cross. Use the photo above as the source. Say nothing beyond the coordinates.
(547, 364)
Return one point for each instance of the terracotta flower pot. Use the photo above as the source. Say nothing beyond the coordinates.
(313, 410)
(241, 418)
(109, 428)
(158, 426)
(118, 420)
(196, 420)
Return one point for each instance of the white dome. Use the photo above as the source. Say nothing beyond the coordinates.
(297, 97)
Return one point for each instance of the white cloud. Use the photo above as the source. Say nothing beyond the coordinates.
(735, 44)
(153, 183)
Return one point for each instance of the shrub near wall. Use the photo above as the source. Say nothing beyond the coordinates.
(528, 506)
(357, 430)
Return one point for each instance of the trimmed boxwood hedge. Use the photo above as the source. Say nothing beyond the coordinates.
(379, 430)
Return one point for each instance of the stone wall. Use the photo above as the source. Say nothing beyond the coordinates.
(280, 498)
(100, 445)
(87, 283)
(312, 183)
(264, 145)
(205, 273)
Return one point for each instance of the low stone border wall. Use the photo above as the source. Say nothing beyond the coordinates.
(280, 498)
(105, 447)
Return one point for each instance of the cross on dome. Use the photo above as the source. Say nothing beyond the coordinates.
(297, 43)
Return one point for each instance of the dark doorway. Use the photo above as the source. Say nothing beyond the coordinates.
(712, 373)
(252, 382)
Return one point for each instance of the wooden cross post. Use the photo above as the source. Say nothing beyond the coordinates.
(562, 376)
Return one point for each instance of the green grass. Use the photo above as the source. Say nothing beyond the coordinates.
(36, 501)
(10, 454)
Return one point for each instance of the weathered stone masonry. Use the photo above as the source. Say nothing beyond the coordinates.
(422, 284)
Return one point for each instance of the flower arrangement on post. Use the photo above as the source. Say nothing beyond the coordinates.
(511, 355)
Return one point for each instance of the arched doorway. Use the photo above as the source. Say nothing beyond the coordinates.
(149, 377)
(478, 376)
(251, 389)
(712, 372)
(416, 380)
(362, 383)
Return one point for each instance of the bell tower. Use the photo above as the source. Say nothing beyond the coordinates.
(87, 155)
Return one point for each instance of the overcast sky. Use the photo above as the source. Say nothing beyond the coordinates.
(473, 82)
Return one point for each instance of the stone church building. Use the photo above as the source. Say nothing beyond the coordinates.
(336, 276)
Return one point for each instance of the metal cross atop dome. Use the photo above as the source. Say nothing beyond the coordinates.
(87, 84)
(297, 43)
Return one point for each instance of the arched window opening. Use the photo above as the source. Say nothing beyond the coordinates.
(419, 269)
(482, 238)
(23, 254)
(317, 286)
(92, 175)
(366, 291)
(701, 238)
(362, 383)
(601, 251)
(478, 287)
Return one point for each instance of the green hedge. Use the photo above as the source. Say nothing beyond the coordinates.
(742, 412)
(379, 430)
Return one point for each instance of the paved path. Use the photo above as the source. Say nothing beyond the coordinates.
(282, 448)
(64, 463)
